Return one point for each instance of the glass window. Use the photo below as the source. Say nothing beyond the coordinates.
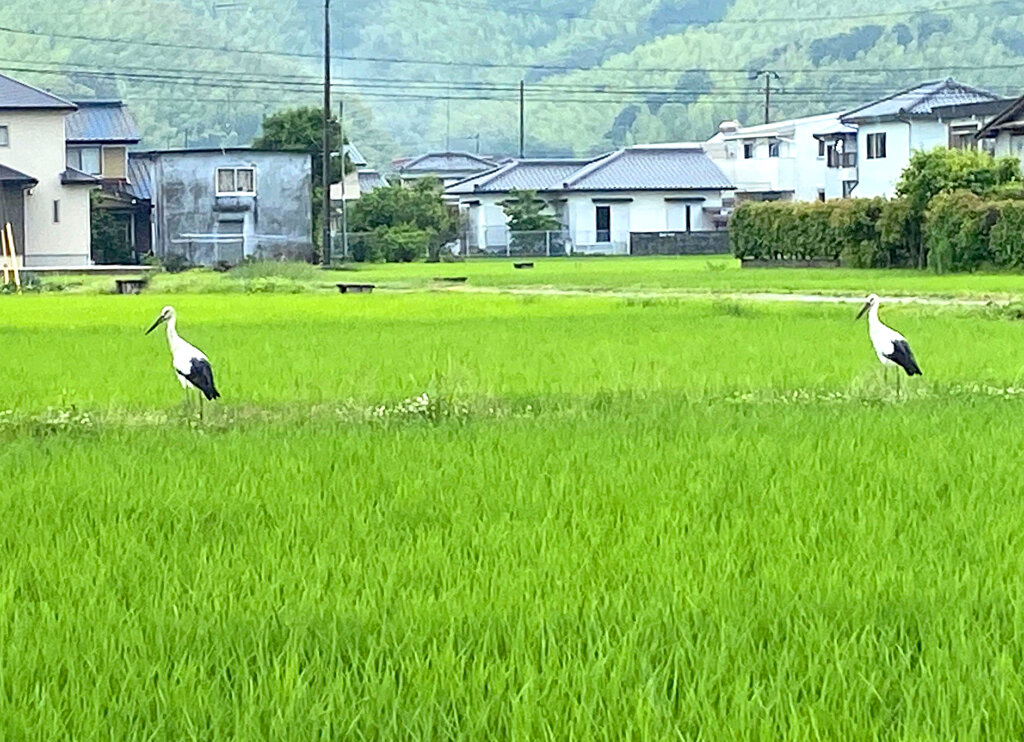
(876, 146)
(245, 180)
(748, 150)
(86, 159)
(236, 180)
(774, 149)
(5, 136)
(225, 180)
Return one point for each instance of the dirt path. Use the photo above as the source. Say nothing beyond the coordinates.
(695, 295)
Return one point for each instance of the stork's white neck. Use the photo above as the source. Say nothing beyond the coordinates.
(173, 338)
(873, 315)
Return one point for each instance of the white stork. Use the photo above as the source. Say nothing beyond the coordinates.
(190, 364)
(891, 348)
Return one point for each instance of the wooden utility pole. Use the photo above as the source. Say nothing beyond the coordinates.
(344, 203)
(326, 176)
(768, 76)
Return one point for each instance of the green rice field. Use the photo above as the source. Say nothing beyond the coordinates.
(441, 515)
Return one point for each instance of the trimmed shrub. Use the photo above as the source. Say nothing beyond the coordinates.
(854, 225)
(1006, 240)
(956, 231)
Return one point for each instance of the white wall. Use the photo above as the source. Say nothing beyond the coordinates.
(631, 211)
(797, 170)
(879, 176)
(37, 148)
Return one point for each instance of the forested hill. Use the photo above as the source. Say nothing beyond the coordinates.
(423, 74)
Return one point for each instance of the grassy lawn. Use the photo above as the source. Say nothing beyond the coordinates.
(716, 274)
(609, 518)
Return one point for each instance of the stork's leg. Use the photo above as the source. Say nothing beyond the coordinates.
(897, 383)
(200, 406)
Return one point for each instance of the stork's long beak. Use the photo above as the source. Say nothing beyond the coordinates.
(159, 321)
(863, 309)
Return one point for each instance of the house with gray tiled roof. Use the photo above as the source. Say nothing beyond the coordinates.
(890, 130)
(604, 204)
(45, 200)
(446, 167)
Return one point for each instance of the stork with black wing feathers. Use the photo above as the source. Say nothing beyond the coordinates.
(191, 365)
(891, 348)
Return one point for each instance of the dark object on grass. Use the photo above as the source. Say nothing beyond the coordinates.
(520, 266)
(356, 288)
(130, 285)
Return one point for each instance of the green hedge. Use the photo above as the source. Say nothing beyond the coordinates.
(956, 231)
(961, 232)
(833, 229)
(1006, 238)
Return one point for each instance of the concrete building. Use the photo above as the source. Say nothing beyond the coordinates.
(608, 205)
(890, 130)
(45, 201)
(225, 205)
(781, 161)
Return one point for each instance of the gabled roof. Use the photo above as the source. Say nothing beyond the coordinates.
(525, 175)
(16, 95)
(354, 155)
(650, 169)
(445, 162)
(370, 180)
(919, 101)
(101, 121)
(1013, 112)
(667, 167)
(10, 176)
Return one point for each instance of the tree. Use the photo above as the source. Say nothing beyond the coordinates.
(301, 130)
(397, 223)
(943, 171)
(525, 213)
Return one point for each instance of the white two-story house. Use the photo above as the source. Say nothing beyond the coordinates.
(45, 201)
(780, 161)
(603, 204)
(890, 130)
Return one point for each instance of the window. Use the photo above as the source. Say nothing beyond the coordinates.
(876, 146)
(56, 212)
(748, 150)
(821, 194)
(603, 220)
(5, 136)
(86, 159)
(774, 148)
(821, 148)
(236, 181)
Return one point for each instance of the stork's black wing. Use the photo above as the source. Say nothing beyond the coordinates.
(200, 376)
(903, 357)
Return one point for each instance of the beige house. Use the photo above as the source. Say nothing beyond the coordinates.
(45, 201)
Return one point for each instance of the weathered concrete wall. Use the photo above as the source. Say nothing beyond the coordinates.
(191, 220)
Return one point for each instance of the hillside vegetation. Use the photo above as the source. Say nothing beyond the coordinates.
(599, 73)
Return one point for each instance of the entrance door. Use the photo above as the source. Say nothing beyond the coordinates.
(603, 220)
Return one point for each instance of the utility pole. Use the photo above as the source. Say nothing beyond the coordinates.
(768, 76)
(326, 179)
(522, 119)
(344, 203)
